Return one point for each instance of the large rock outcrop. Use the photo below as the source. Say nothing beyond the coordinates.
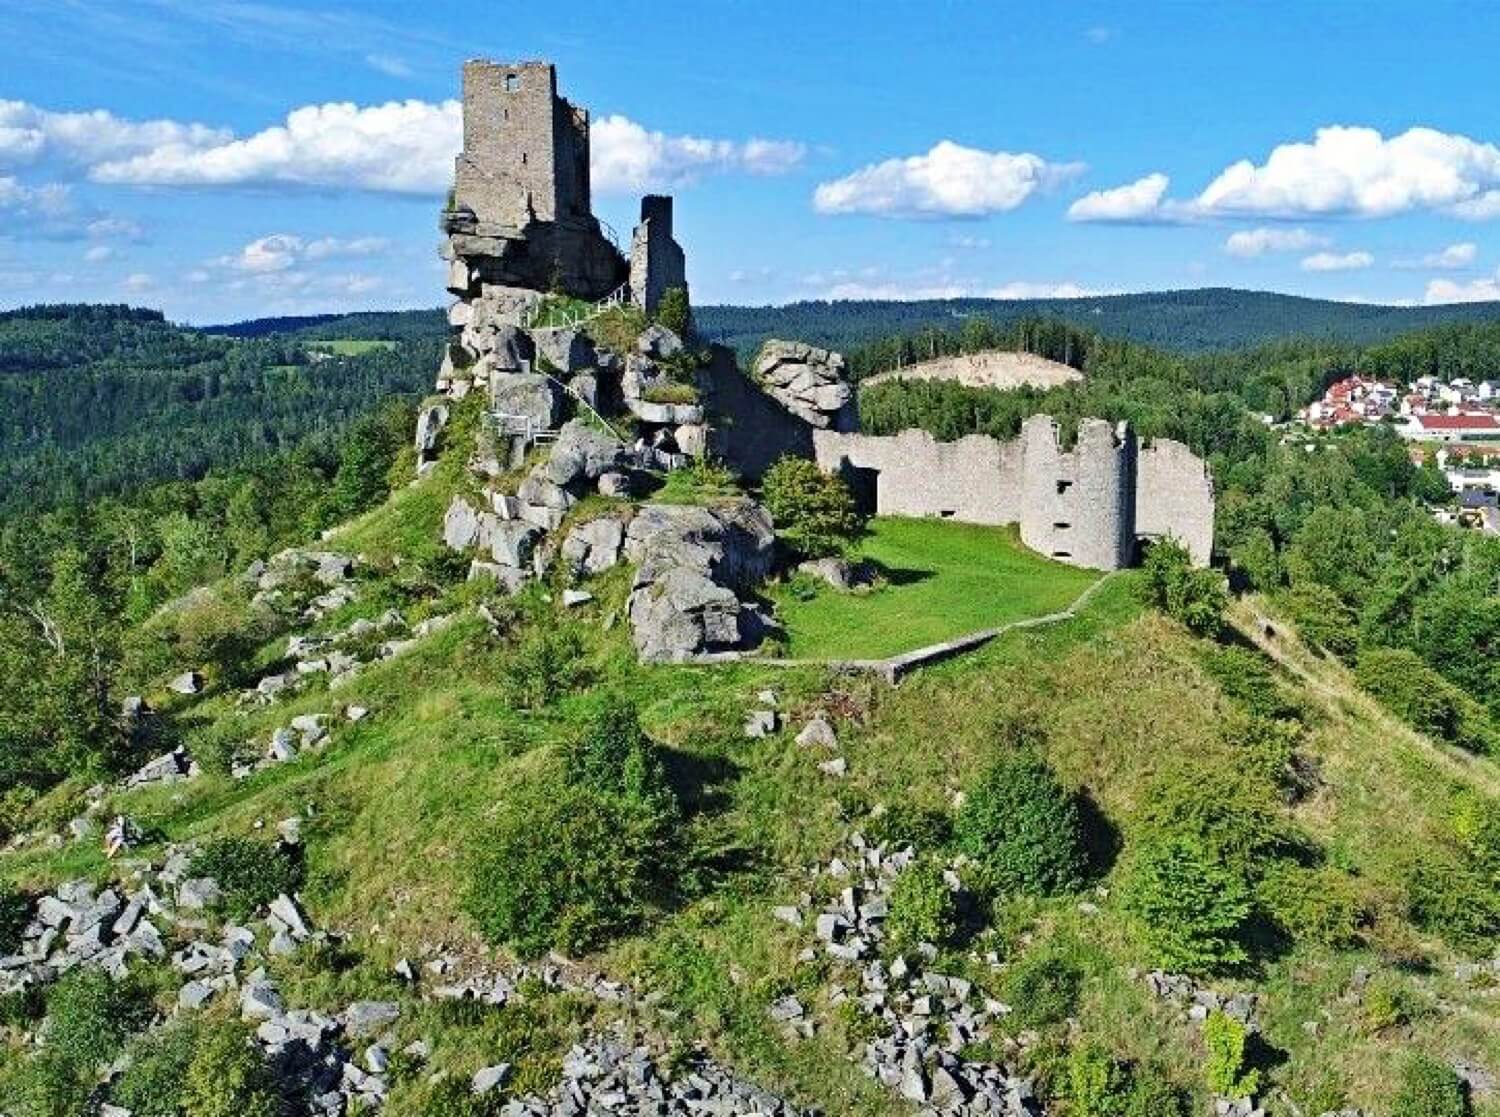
(692, 563)
(811, 383)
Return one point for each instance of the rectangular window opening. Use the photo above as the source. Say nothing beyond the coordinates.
(1061, 525)
(512, 82)
(1062, 554)
(1063, 485)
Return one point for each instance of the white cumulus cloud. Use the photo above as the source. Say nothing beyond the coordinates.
(1475, 291)
(1337, 261)
(402, 147)
(626, 157)
(29, 134)
(1259, 242)
(948, 181)
(1452, 257)
(1137, 201)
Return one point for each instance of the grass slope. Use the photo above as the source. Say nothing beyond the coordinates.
(944, 579)
(396, 803)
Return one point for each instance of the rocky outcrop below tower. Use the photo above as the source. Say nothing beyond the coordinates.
(813, 384)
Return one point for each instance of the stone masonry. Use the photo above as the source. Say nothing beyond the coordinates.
(657, 263)
(1088, 506)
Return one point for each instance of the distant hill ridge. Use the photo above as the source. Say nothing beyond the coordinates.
(1186, 321)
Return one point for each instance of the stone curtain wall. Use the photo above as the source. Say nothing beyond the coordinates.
(1174, 496)
(657, 263)
(520, 144)
(1078, 506)
(1086, 507)
(750, 429)
(976, 479)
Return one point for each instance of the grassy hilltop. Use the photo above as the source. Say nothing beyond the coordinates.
(1332, 803)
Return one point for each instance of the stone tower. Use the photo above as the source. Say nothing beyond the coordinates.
(657, 263)
(526, 150)
(1078, 506)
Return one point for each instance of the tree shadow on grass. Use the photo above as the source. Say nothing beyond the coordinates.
(901, 576)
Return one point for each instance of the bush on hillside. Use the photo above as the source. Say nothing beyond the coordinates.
(813, 511)
(228, 1076)
(568, 867)
(89, 1017)
(1023, 828)
(1042, 989)
(922, 908)
(1196, 598)
(15, 913)
(1098, 1085)
(1193, 909)
(250, 873)
(1453, 900)
(615, 757)
(674, 312)
(152, 1084)
(1226, 1070)
(1323, 620)
(544, 665)
(1429, 1089)
(1401, 682)
(905, 824)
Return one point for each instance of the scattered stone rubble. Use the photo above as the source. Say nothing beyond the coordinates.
(928, 1017)
(329, 569)
(340, 655)
(811, 383)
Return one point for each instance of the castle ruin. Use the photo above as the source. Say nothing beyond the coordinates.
(520, 218)
(1091, 505)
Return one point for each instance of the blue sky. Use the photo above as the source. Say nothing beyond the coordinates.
(223, 159)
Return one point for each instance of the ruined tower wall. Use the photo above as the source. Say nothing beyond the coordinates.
(525, 148)
(1174, 496)
(975, 479)
(1078, 506)
(657, 263)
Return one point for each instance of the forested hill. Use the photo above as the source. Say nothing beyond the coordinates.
(1184, 321)
(97, 400)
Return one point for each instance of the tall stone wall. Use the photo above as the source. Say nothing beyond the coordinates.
(975, 480)
(1078, 506)
(1174, 496)
(750, 430)
(657, 263)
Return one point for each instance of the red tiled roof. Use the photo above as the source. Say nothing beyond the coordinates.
(1459, 422)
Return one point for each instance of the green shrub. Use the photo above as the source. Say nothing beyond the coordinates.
(1429, 1089)
(1403, 683)
(1323, 620)
(905, 824)
(15, 809)
(614, 756)
(1194, 597)
(1227, 1074)
(89, 1017)
(251, 873)
(1320, 905)
(1454, 901)
(47, 1085)
(673, 311)
(15, 913)
(813, 511)
(152, 1084)
(1386, 1003)
(444, 1097)
(545, 664)
(228, 1076)
(1023, 828)
(922, 908)
(1193, 909)
(1152, 1095)
(1098, 1085)
(1043, 990)
(567, 867)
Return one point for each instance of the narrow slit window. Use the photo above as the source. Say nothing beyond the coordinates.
(1061, 525)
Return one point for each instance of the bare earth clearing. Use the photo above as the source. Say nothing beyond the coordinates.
(988, 370)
